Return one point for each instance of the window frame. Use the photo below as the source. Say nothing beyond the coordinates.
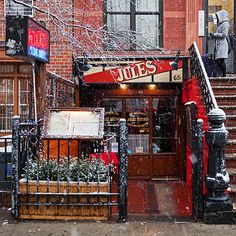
(24, 93)
(16, 13)
(133, 13)
(6, 120)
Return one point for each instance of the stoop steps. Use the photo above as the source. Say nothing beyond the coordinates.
(225, 93)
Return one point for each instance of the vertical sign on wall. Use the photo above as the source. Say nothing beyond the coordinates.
(25, 38)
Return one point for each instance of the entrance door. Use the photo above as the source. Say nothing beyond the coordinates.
(165, 137)
(153, 134)
(213, 7)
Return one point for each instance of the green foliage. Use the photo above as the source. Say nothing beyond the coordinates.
(86, 169)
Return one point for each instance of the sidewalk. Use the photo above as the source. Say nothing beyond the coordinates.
(10, 227)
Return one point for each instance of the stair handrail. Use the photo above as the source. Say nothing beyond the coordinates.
(198, 71)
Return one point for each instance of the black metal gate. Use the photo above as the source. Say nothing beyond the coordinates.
(90, 163)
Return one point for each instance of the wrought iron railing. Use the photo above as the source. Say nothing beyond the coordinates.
(59, 91)
(198, 71)
(67, 173)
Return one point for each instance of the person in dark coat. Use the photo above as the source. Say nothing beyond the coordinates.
(221, 44)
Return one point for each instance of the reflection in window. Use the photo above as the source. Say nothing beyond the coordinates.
(137, 117)
(113, 112)
(164, 125)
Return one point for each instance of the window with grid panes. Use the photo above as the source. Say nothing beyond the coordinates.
(24, 95)
(6, 104)
(133, 25)
(12, 8)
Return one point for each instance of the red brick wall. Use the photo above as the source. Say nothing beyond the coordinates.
(174, 20)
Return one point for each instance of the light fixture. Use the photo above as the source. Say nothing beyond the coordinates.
(81, 65)
(151, 86)
(123, 86)
(174, 64)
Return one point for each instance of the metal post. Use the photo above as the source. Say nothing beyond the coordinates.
(218, 207)
(123, 171)
(15, 172)
(34, 88)
(197, 167)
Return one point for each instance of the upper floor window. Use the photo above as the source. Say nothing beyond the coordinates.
(133, 25)
(14, 9)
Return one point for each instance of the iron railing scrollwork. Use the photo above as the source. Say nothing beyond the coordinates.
(59, 91)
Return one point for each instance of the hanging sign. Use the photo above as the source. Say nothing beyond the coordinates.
(27, 39)
(131, 72)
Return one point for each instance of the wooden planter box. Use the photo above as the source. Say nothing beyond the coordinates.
(62, 212)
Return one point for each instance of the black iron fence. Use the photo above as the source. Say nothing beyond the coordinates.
(68, 178)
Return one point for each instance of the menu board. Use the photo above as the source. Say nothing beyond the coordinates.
(80, 123)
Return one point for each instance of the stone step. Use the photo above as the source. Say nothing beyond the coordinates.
(231, 142)
(231, 130)
(228, 109)
(230, 156)
(221, 90)
(221, 81)
(225, 99)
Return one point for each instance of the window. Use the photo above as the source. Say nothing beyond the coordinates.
(133, 25)
(137, 117)
(6, 104)
(164, 124)
(12, 8)
(24, 95)
(15, 93)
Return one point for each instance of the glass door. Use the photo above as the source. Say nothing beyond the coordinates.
(153, 135)
(165, 137)
(213, 7)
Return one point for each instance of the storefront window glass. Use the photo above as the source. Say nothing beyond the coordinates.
(137, 117)
(113, 111)
(164, 125)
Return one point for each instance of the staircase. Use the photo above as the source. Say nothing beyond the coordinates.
(225, 93)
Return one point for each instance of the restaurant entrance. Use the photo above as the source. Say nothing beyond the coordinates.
(154, 128)
(147, 93)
